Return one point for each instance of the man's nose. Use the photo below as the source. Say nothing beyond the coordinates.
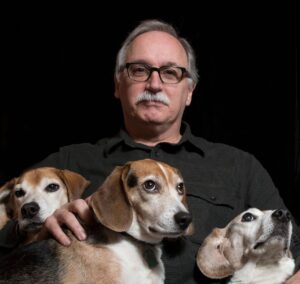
(154, 82)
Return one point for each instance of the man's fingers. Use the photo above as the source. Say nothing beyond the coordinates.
(52, 226)
(67, 216)
(73, 224)
(81, 209)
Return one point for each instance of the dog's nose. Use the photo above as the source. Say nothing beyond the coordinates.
(282, 215)
(183, 219)
(29, 210)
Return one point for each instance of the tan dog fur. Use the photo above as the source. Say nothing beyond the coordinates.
(252, 248)
(30, 198)
(137, 206)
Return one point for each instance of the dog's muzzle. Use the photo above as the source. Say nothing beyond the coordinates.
(29, 210)
(183, 219)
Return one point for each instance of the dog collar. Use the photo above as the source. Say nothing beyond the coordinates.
(149, 256)
(148, 251)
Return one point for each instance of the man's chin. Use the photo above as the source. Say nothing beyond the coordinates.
(154, 117)
(153, 121)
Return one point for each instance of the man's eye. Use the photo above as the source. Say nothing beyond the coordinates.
(139, 70)
(170, 71)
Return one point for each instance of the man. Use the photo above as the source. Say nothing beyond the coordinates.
(154, 79)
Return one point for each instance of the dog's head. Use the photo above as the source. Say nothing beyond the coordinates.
(146, 199)
(253, 236)
(36, 194)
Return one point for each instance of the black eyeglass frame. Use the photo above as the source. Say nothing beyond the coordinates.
(184, 72)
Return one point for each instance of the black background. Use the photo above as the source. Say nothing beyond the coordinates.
(58, 78)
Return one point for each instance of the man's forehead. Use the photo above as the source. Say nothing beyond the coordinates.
(157, 46)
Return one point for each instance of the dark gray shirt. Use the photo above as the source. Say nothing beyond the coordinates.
(221, 182)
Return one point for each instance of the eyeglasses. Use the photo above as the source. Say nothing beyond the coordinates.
(141, 72)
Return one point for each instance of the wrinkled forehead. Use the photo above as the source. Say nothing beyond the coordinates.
(157, 48)
(155, 169)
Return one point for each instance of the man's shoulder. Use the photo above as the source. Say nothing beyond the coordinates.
(77, 147)
(212, 147)
(86, 146)
(225, 154)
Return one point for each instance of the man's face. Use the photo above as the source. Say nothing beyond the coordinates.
(155, 49)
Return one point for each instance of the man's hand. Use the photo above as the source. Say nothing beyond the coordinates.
(295, 279)
(66, 216)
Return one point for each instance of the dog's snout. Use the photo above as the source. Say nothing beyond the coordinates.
(29, 210)
(183, 219)
(282, 215)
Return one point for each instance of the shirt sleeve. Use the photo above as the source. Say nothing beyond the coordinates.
(9, 238)
(57, 160)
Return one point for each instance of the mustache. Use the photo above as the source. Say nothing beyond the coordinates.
(153, 97)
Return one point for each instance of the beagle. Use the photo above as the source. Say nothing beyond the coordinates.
(137, 206)
(252, 248)
(35, 195)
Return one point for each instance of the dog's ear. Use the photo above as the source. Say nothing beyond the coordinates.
(234, 249)
(6, 202)
(75, 183)
(210, 258)
(110, 203)
(190, 229)
(6, 189)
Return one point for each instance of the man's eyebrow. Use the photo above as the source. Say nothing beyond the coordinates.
(142, 61)
(170, 63)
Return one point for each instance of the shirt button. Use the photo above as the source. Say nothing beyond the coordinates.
(213, 198)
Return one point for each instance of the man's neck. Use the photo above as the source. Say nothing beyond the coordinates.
(152, 135)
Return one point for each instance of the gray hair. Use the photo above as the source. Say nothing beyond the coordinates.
(157, 25)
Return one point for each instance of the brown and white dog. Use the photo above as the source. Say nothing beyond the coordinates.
(253, 248)
(137, 206)
(35, 195)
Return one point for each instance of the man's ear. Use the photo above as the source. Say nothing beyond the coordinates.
(189, 97)
(117, 88)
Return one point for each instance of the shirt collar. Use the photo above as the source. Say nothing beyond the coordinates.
(187, 138)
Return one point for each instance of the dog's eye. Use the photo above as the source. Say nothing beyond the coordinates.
(180, 188)
(19, 192)
(52, 187)
(248, 217)
(150, 186)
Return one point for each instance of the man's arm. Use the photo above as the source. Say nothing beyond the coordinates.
(67, 216)
(9, 237)
(295, 279)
